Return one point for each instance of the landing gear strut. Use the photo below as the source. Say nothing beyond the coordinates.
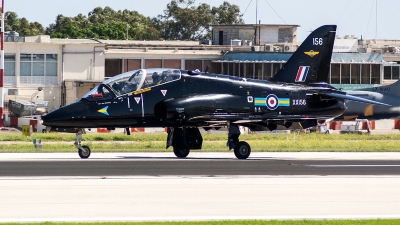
(182, 139)
(241, 149)
(83, 151)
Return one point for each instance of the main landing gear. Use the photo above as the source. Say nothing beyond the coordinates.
(241, 149)
(183, 139)
(83, 151)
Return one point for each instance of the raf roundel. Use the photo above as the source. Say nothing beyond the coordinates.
(272, 101)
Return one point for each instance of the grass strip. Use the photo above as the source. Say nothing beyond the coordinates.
(139, 142)
(238, 222)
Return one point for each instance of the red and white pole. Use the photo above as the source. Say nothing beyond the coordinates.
(2, 66)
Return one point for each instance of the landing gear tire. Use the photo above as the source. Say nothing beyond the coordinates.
(84, 154)
(242, 150)
(181, 152)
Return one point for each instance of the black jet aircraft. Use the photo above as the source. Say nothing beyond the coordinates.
(184, 101)
(389, 94)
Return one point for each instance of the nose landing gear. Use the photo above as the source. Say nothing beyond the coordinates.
(83, 151)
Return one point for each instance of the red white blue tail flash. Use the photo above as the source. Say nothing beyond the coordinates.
(302, 73)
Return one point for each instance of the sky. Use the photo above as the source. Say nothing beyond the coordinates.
(367, 19)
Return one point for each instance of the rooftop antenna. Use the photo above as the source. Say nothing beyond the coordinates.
(256, 11)
(376, 20)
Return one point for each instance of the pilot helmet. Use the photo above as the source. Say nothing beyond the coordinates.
(155, 75)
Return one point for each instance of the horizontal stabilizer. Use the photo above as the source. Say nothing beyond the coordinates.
(391, 89)
(354, 98)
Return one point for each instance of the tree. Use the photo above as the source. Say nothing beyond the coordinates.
(105, 24)
(66, 26)
(11, 21)
(182, 20)
(22, 26)
(227, 14)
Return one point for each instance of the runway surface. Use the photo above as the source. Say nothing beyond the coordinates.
(204, 186)
(203, 164)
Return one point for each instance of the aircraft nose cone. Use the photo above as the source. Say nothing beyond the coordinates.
(67, 116)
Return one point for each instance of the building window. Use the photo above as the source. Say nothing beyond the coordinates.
(249, 70)
(210, 65)
(193, 64)
(216, 67)
(229, 69)
(9, 69)
(395, 73)
(387, 72)
(345, 74)
(391, 72)
(152, 63)
(172, 63)
(234, 70)
(131, 64)
(375, 73)
(240, 72)
(38, 69)
(267, 71)
(9, 65)
(26, 64)
(258, 71)
(51, 65)
(355, 73)
(38, 64)
(366, 74)
(276, 67)
(113, 67)
(224, 68)
(335, 73)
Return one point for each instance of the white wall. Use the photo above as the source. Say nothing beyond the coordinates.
(269, 35)
(83, 62)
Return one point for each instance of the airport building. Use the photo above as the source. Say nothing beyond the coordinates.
(61, 71)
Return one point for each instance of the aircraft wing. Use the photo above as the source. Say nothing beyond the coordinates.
(212, 118)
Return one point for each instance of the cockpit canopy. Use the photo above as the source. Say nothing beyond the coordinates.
(132, 81)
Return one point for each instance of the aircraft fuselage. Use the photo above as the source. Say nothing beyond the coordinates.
(196, 100)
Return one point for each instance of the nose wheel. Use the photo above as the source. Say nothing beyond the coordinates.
(84, 152)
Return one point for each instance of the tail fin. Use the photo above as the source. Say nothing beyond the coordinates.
(310, 62)
(392, 89)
